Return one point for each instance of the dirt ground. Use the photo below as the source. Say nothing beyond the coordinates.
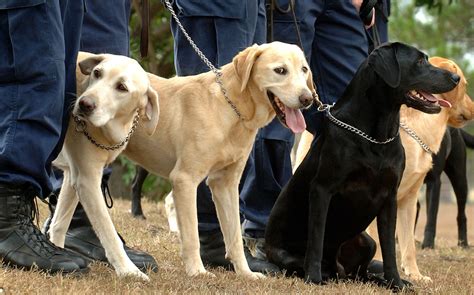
(451, 268)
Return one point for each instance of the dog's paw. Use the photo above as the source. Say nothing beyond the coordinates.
(134, 273)
(200, 272)
(253, 275)
(419, 277)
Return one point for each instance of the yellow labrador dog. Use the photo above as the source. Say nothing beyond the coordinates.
(112, 90)
(458, 110)
(200, 135)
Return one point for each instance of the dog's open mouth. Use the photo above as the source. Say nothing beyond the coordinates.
(290, 118)
(427, 101)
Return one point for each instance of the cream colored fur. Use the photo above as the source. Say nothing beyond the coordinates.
(199, 136)
(83, 162)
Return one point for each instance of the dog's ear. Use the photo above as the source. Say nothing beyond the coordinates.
(243, 63)
(310, 82)
(385, 63)
(89, 63)
(151, 111)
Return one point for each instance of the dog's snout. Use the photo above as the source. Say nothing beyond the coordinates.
(306, 99)
(455, 78)
(86, 105)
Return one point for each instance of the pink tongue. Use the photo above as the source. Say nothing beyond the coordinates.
(444, 103)
(432, 98)
(295, 120)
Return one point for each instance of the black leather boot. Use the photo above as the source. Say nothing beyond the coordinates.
(81, 238)
(22, 244)
(212, 252)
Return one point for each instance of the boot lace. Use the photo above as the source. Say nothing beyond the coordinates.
(27, 213)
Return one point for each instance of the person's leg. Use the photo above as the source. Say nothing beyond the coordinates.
(31, 103)
(339, 47)
(269, 166)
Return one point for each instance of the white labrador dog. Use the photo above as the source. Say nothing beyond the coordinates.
(201, 135)
(115, 88)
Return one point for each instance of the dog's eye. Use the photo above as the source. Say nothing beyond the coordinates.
(97, 74)
(421, 61)
(122, 87)
(305, 69)
(280, 71)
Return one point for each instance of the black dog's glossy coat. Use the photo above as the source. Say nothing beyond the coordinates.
(346, 181)
(451, 159)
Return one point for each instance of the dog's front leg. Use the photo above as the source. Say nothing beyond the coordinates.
(406, 215)
(319, 200)
(88, 189)
(386, 221)
(184, 195)
(225, 194)
(67, 203)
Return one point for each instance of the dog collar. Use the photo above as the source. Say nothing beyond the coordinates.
(413, 135)
(81, 127)
(326, 108)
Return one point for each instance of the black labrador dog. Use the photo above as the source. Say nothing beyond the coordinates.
(451, 159)
(316, 228)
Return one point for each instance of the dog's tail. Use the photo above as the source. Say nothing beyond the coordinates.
(468, 139)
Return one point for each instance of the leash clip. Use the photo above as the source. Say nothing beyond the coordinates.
(80, 124)
(325, 107)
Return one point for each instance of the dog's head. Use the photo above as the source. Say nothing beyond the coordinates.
(116, 86)
(462, 107)
(279, 71)
(408, 73)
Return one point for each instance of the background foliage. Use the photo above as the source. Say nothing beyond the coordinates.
(438, 27)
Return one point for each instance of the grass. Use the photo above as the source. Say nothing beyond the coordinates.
(451, 268)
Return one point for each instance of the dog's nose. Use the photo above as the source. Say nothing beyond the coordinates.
(306, 99)
(455, 78)
(86, 106)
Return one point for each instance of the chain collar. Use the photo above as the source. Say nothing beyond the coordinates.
(215, 70)
(412, 133)
(326, 108)
(81, 127)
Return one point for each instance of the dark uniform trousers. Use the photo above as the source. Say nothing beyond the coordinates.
(39, 40)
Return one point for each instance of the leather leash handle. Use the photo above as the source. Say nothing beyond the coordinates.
(145, 12)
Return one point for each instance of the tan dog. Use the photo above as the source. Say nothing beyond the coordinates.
(201, 135)
(430, 128)
(111, 90)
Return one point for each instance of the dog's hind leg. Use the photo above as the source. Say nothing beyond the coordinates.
(67, 203)
(224, 186)
(455, 169)
(184, 195)
(356, 254)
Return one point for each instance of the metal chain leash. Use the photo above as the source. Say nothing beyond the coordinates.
(326, 108)
(201, 55)
(81, 127)
(413, 135)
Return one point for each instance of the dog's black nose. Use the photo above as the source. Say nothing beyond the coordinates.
(306, 99)
(86, 106)
(455, 78)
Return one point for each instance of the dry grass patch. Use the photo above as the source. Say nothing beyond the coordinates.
(451, 268)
